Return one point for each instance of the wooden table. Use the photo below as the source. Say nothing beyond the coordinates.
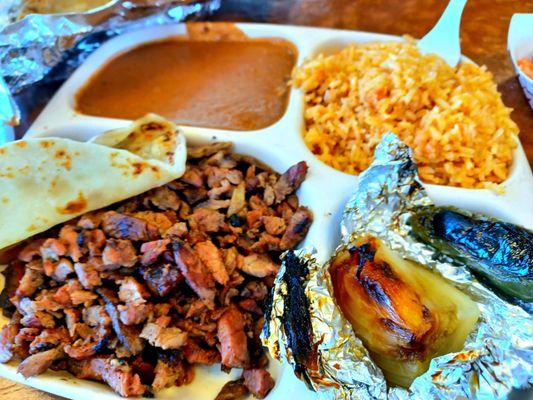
(484, 40)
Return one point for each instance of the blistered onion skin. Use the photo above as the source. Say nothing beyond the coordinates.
(404, 314)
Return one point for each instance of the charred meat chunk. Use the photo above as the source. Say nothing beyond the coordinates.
(116, 373)
(233, 390)
(39, 362)
(162, 279)
(233, 340)
(119, 253)
(290, 181)
(297, 228)
(258, 382)
(122, 226)
(196, 274)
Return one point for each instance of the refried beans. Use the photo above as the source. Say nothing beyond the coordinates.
(235, 85)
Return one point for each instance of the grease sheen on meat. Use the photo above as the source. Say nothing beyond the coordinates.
(136, 294)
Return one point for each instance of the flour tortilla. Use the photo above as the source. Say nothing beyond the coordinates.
(47, 181)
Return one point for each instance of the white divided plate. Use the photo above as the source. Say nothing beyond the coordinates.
(280, 145)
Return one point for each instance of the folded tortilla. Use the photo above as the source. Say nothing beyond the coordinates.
(46, 181)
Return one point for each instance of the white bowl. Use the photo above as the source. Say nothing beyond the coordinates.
(520, 45)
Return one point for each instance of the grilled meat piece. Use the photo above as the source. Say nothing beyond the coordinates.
(7, 339)
(198, 277)
(60, 270)
(133, 313)
(152, 250)
(24, 337)
(233, 340)
(196, 354)
(163, 337)
(258, 381)
(114, 372)
(164, 199)
(76, 247)
(91, 220)
(122, 226)
(238, 200)
(193, 176)
(95, 316)
(259, 265)
(297, 228)
(32, 317)
(118, 253)
(177, 231)
(95, 342)
(212, 258)
(206, 220)
(290, 181)
(49, 339)
(162, 221)
(274, 225)
(31, 250)
(162, 279)
(72, 317)
(31, 280)
(250, 306)
(255, 290)
(132, 291)
(171, 370)
(39, 362)
(52, 249)
(87, 275)
(127, 335)
(233, 390)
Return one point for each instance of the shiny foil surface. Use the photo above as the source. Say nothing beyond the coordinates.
(50, 46)
(344, 369)
(498, 354)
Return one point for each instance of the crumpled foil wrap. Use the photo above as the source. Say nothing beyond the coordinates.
(498, 354)
(344, 369)
(51, 46)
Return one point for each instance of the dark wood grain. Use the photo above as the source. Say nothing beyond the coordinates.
(484, 39)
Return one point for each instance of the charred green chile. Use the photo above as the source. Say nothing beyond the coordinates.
(499, 252)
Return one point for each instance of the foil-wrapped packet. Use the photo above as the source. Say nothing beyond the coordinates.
(305, 327)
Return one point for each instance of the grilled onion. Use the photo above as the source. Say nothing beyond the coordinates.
(404, 314)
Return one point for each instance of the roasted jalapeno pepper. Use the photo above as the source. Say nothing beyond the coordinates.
(500, 253)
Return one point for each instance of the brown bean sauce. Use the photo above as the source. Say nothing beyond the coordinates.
(236, 85)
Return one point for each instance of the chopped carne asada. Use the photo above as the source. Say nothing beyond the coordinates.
(136, 294)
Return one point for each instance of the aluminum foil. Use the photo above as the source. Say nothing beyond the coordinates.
(498, 354)
(344, 369)
(50, 46)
